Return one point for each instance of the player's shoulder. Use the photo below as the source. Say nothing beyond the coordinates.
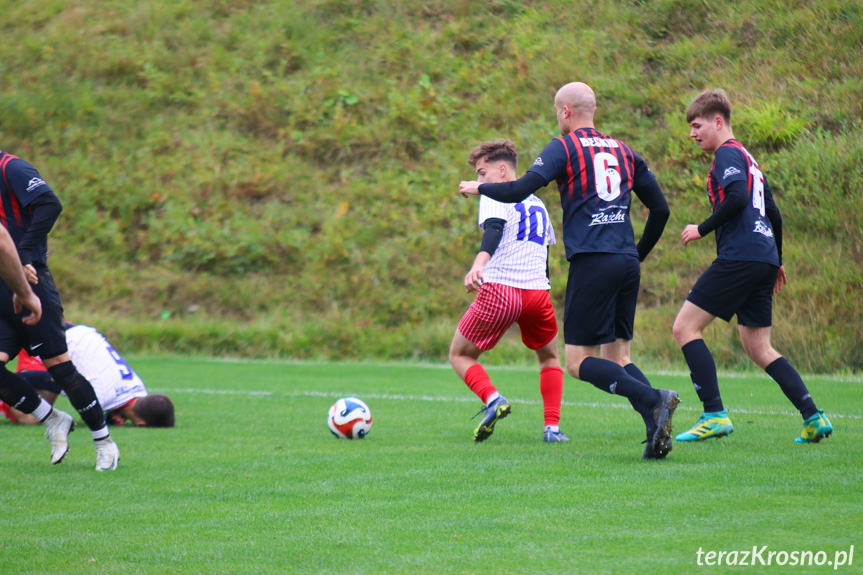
(21, 174)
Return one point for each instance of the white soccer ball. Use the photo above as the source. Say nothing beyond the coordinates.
(350, 418)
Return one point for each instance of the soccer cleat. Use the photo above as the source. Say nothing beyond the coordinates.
(710, 424)
(659, 444)
(554, 436)
(107, 454)
(815, 429)
(58, 426)
(497, 409)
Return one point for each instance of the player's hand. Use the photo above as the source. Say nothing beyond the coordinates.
(468, 188)
(32, 303)
(30, 274)
(473, 279)
(781, 280)
(690, 234)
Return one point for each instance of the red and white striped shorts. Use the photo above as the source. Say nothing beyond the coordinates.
(497, 307)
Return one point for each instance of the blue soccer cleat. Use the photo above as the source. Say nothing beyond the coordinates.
(496, 410)
(550, 436)
(710, 424)
(815, 429)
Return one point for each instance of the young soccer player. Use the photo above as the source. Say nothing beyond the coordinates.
(596, 175)
(741, 281)
(510, 276)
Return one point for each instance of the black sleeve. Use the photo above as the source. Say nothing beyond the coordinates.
(45, 210)
(654, 200)
(736, 198)
(492, 236)
(775, 217)
(511, 192)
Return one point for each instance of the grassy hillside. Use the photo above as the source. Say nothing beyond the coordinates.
(271, 178)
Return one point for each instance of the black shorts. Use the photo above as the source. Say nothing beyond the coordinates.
(41, 381)
(730, 287)
(601, 293)
(47, 338)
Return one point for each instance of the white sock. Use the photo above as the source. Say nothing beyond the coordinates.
(43, 411)
(492, 397)
(554, 428)
(100, 434)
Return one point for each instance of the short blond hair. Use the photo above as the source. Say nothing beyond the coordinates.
(708, 104)
(494, 151)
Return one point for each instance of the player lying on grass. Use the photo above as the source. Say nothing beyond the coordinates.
(510, 276)
(119, 389)
(741, 281)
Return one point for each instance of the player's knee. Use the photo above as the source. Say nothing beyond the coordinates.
(572, 368)
(681, 332)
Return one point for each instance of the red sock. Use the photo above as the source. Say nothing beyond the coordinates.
(479, 382)
(551, 388)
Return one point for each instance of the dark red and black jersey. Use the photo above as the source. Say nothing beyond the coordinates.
(596, 175)
(20, 184)
(748, 236)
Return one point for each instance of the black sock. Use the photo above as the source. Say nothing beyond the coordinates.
(633, 370)
(81, 395)
(703, 374)
(17, 393)
(792, 386)
(612, 378)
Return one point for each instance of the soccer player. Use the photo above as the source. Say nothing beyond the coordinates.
(28, 210)
(596, 175)
(510, 276)
(742, 279)
(119, 389)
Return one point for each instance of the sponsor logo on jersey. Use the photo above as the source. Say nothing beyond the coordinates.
(762, 229)
(606, 218)
(35, 183)
(730, 171)
(538, 162)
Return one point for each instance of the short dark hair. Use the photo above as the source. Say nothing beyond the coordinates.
(156, 410)
(499, 150)
(708, 104)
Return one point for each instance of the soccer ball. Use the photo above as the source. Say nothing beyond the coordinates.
(349, 418)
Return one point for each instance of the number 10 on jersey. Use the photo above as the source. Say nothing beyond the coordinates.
(529, 226)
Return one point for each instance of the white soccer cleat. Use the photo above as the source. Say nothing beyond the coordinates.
(58, 426)
(107, 454)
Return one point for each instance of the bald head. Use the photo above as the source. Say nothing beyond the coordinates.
(576, 105)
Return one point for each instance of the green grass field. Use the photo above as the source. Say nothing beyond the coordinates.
(251, 480)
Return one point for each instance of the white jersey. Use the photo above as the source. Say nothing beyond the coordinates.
(521, 259)
(115, 383)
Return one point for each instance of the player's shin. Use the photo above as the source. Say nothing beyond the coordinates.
(17, 393)
(82, 397)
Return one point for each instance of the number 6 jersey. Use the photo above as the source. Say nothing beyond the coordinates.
(595, 175)
(521, 258)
